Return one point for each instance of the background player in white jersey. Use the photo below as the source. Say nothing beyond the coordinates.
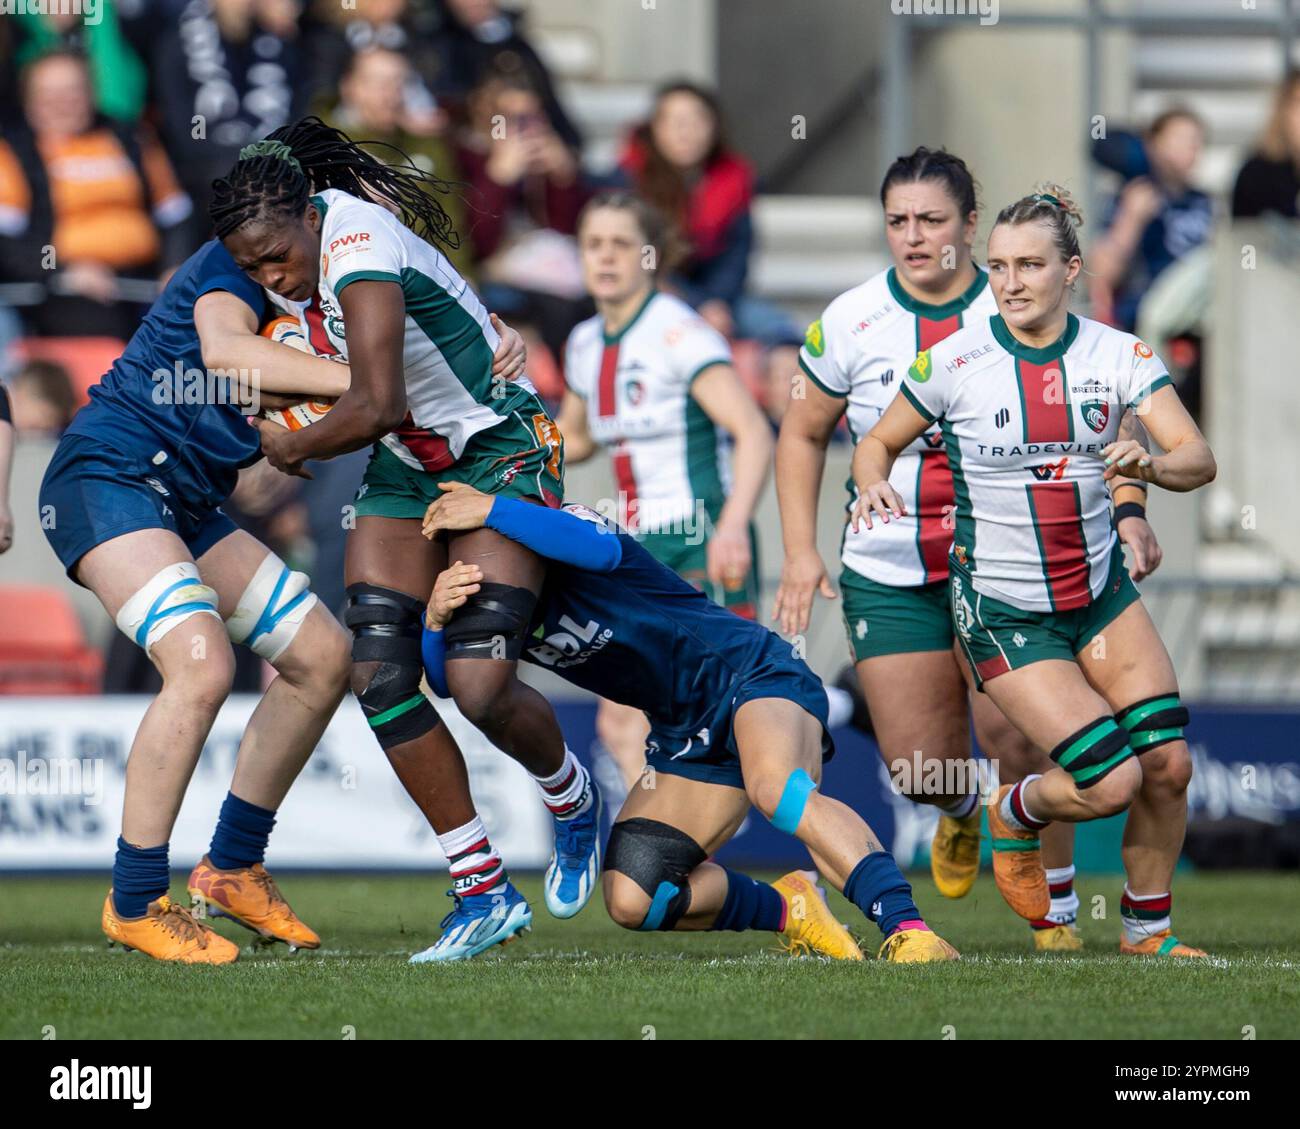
(1029, 404)
(650, 379)
(298, 213)
(895, 582)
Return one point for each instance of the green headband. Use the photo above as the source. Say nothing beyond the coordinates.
(1047, 198)
(277, 149)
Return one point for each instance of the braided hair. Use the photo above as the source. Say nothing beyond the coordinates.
(273, 179)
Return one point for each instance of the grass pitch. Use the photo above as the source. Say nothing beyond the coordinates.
(586, 978)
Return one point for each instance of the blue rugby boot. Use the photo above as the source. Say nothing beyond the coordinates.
(477, 923)
(575, 863)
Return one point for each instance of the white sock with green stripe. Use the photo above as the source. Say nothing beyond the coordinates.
(1145, 915)
(1065, 902)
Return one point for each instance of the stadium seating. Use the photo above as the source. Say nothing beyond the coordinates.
(85, 358)
(42, 648)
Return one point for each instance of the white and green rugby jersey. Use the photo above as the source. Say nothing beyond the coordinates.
(448, 344)
(1024, 429)
(857, 351)
(669, 456)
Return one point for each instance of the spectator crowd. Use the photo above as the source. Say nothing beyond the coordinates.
(111, 134)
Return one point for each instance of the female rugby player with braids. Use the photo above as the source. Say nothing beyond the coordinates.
(330, 232)
(895, 581)
(132, 496)
(1029, 404)
(652, 380)
(736, 718)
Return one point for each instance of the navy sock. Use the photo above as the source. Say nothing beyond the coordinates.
(140, 874)
(877, 887)
(241, 835)
(750, 905)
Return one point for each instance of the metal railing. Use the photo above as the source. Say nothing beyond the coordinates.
(1091, 20)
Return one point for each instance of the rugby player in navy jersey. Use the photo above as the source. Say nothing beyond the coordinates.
(130, 504)
(736, 719)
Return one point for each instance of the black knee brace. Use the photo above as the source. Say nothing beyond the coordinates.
(1093, 752)
(492, 624)
(657, 858)
(1153, 721)
(386, 629)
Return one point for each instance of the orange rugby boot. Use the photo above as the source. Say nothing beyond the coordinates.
(167, 931)
(1018, 864)
(955, 854)
(1162, 944)
(916, 946)
(250, 897)
(810, 927)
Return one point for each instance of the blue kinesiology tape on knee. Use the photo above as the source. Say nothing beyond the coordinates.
(794, 798)
(654, 917)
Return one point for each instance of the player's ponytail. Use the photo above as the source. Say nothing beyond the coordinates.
(1053, 205)
(939, 165)
(273, 179)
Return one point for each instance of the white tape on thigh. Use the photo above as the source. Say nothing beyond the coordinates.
(174, 594)
(272, 608)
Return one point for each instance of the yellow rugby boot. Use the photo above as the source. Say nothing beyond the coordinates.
(167, 931)
(1058, 939)
(810, 927)
(1018, 864)
(1162, 944)
(955, 854)
(250, 897)
(916, 946)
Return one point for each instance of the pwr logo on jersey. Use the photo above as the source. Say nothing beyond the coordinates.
(349, 240)
(1050, 472)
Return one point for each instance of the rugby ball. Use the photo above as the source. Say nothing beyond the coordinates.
(286, 331)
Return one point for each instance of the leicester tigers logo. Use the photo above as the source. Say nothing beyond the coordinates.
(1095, 414)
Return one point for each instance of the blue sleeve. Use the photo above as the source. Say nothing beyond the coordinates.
(556, 535)
(219, 272)
(433, 648)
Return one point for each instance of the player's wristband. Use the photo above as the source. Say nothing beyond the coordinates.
(433, 650)
(1129, 509)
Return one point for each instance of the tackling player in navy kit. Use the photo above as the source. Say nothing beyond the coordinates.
(130, 504)
(735, 719)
